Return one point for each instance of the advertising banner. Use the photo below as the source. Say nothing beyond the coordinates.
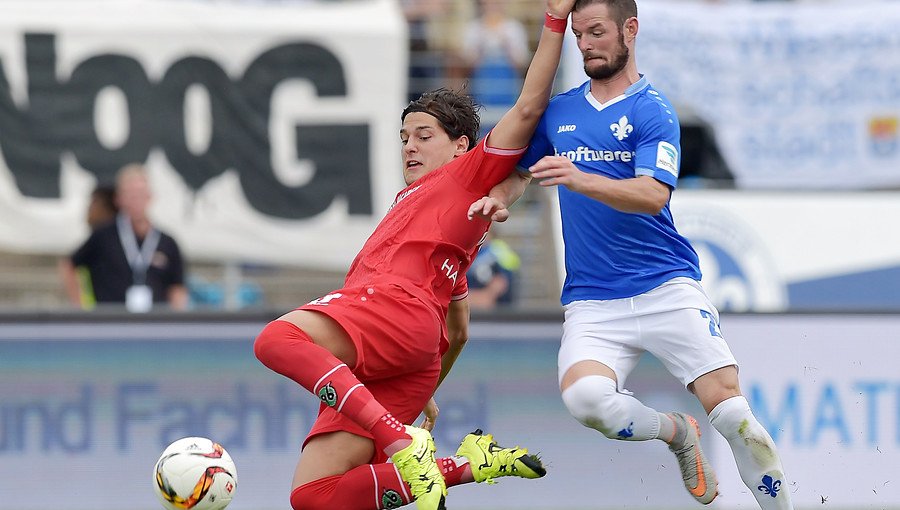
(86, 409)
(799, 96)
(809, 251)
(269, 130)
(801, 252)
(826, 389)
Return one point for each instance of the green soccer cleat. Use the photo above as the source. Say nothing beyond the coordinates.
(489, 460)
(699, 478)
(420, 471)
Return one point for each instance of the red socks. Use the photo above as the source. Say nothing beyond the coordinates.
(456, 470)
(372, 487)
(288, 350)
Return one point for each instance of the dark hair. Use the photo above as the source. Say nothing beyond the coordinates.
(105, 194)
(619, 10)
(457, 113)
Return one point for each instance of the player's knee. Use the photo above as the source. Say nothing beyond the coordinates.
(595, 402)
(314, 495)
(271, 341)
(734, 419)
(266, 341)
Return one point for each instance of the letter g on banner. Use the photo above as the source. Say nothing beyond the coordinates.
(60, 116)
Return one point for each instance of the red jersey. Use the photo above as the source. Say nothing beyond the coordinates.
(425, 242)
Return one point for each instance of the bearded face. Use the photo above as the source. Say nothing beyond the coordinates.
(602, 65)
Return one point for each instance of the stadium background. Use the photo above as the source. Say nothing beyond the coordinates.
(798, 241)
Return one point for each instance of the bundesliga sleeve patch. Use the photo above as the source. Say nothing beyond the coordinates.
(667, 158)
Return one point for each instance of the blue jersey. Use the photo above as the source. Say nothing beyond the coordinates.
(612, 254)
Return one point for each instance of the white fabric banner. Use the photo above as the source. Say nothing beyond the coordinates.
(269, 130)
(799, 96)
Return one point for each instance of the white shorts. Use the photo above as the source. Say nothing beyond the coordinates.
(676, 322)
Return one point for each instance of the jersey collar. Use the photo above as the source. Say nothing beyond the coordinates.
(635, 87)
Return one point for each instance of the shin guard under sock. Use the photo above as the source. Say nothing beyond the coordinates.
(288, 350)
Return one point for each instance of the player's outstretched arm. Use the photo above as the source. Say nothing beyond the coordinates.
(516, 126)
(640, 195)
(494, 206)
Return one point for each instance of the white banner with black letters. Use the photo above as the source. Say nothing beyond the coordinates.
(269, 130)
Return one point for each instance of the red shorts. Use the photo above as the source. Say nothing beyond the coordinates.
(397, 338)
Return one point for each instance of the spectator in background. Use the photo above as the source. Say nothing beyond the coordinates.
(101, 211)
(129, 260)
(102, 208)
(424, 62)
(493, 275)
(495, 53)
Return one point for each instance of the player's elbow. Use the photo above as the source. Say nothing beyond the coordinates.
(654, 207)
(644, 206)
(659, 202)
(458, 338)
(529, 112)
(653, 198)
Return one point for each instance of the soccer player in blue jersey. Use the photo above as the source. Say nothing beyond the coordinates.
(611, 147)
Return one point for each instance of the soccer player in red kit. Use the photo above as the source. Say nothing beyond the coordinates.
(375, 350)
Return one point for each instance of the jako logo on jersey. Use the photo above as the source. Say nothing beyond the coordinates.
(583, 153)
(403, 195)
(566, 128)
(622, 129)
(667, 158)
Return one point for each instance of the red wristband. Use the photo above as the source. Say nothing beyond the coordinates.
(555, 24)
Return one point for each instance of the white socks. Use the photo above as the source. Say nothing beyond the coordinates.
(754, 452)
(595, 402)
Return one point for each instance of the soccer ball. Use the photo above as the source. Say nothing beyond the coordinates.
(195, 473)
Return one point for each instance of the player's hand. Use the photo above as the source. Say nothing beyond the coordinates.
(431, 412)
(558, 171)
(488, 208)
(560, 8)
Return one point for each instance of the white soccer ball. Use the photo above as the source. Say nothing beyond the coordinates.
(195, 473)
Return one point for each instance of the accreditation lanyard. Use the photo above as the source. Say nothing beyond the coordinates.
(138, 258)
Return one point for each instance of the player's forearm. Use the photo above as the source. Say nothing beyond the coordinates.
(448, 360)
(457, 343)
(538, 83)
(457, 335)
(510, 189)
(515, 128)
(640, 195)
(542, 70)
